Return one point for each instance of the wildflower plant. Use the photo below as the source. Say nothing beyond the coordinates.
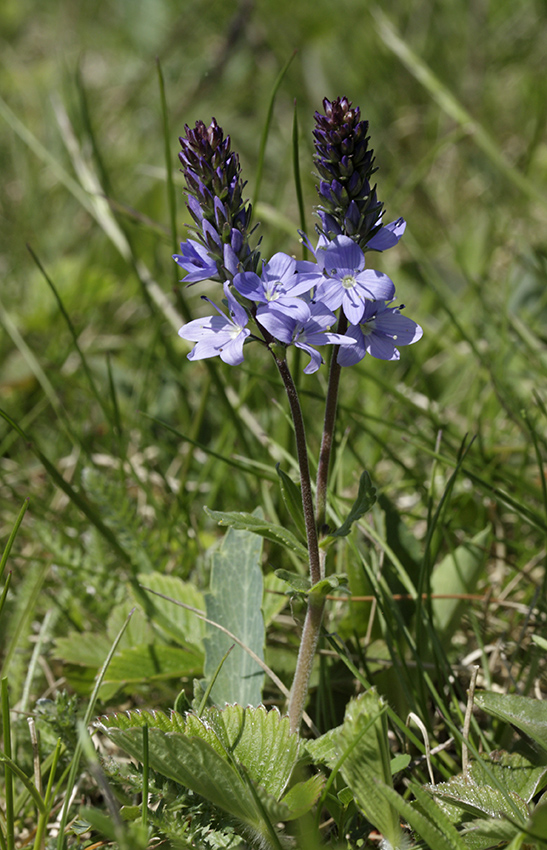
(334, 300)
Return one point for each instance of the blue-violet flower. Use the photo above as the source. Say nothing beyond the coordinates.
(220, 335)
(314, 330)
(277, 287)
(378, 333)
(347, 282)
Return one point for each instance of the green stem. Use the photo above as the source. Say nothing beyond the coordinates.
(304, 663)
(328, 432)
(305, 482)
(316, 603)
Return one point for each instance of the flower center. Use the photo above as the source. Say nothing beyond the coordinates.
(272, 292)
(348, 281)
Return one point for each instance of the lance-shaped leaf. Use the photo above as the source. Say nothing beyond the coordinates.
(292, 496)
(366, 498)
(243, 521)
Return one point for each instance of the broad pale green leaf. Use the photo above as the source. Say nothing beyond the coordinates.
(528, 715)
(243, 521)
(177, 622)
(456, 574)
(366, 498)
(235, 602)
(274, 597)
(153, 661)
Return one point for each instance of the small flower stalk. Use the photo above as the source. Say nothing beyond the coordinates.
(334, 301)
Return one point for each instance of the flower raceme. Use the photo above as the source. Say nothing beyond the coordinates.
(293, 302)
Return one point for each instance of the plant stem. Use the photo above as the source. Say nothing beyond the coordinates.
(316, 602)
(305, 482)
(304, 663)
(328, 431)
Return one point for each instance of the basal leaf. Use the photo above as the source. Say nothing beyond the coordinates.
(193, 763)
(235, 602)
(260, 740)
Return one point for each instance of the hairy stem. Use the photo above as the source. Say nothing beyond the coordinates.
(305, 482)
(328, 432)
(304, 664)
(316, 603)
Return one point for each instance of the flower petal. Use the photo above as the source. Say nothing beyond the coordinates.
(388, 236)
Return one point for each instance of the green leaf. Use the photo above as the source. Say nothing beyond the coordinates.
(478, 799)
(487, 833)
(150, 662)
(326, 585)
(528, 715)
(458, 573)
(292, 496)
(244, 521)
(298, 583)
(193, 763)
(216, 755)
(539, 641)
(537, 824)
(235, 602)
(178, 623)
(366, 497)
(362, 748)
(302, 796)
(86, 649)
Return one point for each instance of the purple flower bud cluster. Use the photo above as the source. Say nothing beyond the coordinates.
(221, 216)
(290, 302)
(345, 165)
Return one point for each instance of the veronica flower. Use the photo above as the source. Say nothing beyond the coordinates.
(195, 259)
(277, 287)
(220, 335)
(380, 330)
(346, 282)
(314, 330)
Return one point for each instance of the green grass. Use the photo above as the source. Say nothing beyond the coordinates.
(118, 441)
